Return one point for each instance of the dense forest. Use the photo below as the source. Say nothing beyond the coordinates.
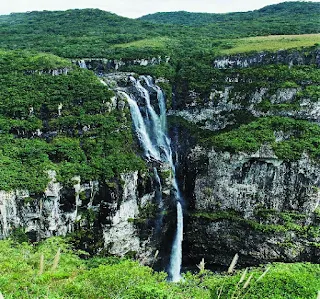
(30, 100)
(275, 14)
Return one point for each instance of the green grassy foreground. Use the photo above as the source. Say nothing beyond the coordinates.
(65, 275)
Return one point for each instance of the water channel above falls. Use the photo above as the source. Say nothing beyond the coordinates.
(150, 126)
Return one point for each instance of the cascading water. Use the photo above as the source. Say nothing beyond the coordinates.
(141, 129)
(151, 131)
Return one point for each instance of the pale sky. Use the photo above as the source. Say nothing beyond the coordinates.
(136, 8)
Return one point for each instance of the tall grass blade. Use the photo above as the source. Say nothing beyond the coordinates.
(243, 276)
(201, 266)
(263, 274)
(233, 263)
(230, 270)
(41, 267)
(247, 282)
(237, 290)
(56, 259)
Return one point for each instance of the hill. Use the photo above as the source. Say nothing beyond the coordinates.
(96, 33)
(286, 11)
(70, 33)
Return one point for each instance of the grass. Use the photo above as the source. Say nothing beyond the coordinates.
(100, 277)
(234, 46)
(271, 43)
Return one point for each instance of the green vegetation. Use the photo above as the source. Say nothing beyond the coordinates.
(89, 140)
(267, 221)
(276, 13)
(66, 123)
(303, 137)
(304, 79)
(272, 43)
(45, 271)
(157, 43)
(84, 138)
(96, 33)
(195, 73)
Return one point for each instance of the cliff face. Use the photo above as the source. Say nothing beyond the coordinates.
(104, 65)
(287, 57)
(128, 214)
(255, 204)
(84, 208)
(257, 85)
(225, 108)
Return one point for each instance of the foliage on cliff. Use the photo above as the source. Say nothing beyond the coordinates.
(61, 122)
(24, 275)
(299, 137)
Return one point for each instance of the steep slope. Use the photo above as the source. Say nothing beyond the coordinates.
(245, 133)
(250, 164)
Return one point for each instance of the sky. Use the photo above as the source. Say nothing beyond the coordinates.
(136, 8)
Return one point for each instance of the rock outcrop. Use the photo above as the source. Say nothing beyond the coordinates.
(62, 210)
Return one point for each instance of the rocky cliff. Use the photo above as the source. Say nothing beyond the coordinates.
(256, 205)
(70, 165)
(120, 215)
(97, 215)
(254, 191)
(251, 202)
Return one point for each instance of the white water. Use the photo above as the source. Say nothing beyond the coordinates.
(151, 131)
(176, 253)
(82, 64)
(161, 101)
(141, 130)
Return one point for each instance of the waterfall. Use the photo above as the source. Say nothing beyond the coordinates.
(161, 101)
(151, 131)
(82, 64)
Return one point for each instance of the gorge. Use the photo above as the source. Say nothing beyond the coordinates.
(261, 205)
(145, 152)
